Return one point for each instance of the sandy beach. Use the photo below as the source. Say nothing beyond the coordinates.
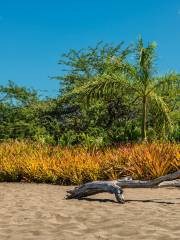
(37, 211)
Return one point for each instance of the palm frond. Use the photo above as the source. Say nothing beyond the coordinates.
(169, 80)
(103, 86)
(145, 57)
(162, 109)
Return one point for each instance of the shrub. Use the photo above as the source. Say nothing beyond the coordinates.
(35, 162)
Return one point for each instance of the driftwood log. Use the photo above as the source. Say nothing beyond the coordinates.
(116, 187)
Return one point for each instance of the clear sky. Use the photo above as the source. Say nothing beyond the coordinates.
(34, 34)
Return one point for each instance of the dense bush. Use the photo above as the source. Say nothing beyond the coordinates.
(35, 162)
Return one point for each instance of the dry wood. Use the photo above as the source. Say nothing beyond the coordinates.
(116, 187)
(173, 183)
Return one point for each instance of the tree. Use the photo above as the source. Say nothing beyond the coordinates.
(23, 114)
(137, 81)
(15, 95)
(103, 115)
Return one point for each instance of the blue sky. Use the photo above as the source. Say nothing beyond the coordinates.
(34, 34)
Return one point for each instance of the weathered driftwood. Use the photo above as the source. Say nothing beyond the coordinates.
(116, 187)
(173, 183)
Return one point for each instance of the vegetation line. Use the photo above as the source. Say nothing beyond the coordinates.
(108, 95)
(42, 163)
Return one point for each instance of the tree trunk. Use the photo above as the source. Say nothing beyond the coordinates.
(144, 119)
(116, 187)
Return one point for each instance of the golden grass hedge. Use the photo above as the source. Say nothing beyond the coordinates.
(34, 162)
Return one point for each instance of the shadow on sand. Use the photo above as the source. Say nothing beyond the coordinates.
(130, 200)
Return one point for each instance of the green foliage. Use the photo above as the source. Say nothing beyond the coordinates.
(137, 82)
(105, 98)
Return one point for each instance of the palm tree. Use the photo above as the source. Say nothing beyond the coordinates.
(138, 79)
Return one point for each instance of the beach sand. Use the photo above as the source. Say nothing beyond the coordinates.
(38, 211)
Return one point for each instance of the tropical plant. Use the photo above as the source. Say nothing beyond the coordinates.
(137, 82)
